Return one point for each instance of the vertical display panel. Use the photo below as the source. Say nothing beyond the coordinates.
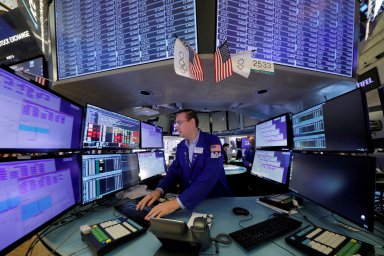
(94, 35)
(310, 34)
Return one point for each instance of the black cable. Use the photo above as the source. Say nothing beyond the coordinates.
(221, 239)
(283, 248)
(250, 217)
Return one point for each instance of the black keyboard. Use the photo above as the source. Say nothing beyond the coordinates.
(266, 230)
(320, 241)
(128, 209)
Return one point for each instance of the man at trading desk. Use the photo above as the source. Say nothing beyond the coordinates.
(198, 169)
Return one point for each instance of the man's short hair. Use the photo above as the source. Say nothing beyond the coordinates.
(190, 114)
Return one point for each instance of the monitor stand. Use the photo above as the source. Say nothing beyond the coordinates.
(278, 202)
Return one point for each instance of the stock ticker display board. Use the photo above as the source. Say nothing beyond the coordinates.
(317, 35)
(94, 35)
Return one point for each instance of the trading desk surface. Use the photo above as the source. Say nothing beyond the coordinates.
(66, 240)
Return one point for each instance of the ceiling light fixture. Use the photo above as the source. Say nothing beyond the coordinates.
(145, 92)
(262, 91)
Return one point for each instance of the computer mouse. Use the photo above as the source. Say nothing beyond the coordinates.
(240, 211)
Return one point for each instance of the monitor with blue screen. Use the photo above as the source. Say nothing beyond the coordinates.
(105, 174)
(35, 193)
(36, 119)
(151, 164)
(118, 34)
(316, 35)
(107, 129)
(273, 133)
(151, 136)
(272, 165)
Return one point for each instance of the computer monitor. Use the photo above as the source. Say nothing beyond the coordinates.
(273, 133)
(108, 129)
(104, 174)
(33, 66)
(343, 184)
(34, 194)
(36, 119)
(317, 35)
(339, 125)
(151, 136)
(245, 144)
(272, 165)
(119, 34)
(151, 164)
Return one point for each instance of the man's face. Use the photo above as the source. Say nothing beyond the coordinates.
(183, 125)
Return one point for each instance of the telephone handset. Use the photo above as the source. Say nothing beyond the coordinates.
(201, 233)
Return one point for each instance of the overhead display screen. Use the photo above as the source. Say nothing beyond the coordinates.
(94, 36)
(311, 34)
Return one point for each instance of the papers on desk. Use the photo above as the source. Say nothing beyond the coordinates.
(293, 211)
(196, 214)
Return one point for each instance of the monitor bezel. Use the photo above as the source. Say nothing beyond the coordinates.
(42, 150)
(46, 224)
(110, 194)
(141, 136)
(366, 125)
(84, 123)
(288, 128)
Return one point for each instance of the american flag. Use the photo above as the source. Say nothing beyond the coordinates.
(39, 79)
(223, 62)
(195, 66)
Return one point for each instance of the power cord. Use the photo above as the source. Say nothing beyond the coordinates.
(221, 239)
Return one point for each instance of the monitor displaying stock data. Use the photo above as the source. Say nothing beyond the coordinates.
(151, 164)
(108, 129)
(151, 136)
(104, 174)
(94, 36)
(316, 35)
(272, 165)
(273, 132)
(35, 119)
(340, 124)
(34, 193)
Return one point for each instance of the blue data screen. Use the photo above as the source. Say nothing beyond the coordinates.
(94, 35)
(311, 34)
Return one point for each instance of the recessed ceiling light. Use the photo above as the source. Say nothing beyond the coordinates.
(145, 92)
(262, 91)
